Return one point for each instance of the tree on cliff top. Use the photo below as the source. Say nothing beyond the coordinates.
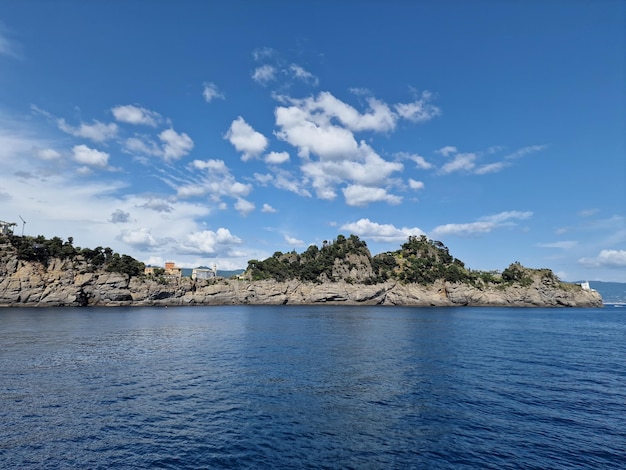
(42, 250)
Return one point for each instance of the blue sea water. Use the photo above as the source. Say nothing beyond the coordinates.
(312, 387)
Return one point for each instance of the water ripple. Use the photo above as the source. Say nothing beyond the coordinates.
(312, 387)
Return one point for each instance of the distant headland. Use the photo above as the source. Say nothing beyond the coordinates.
(40, 272)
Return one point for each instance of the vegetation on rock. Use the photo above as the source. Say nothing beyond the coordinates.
(418, 261)
(42, 250)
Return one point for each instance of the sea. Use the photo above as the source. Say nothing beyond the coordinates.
(319, 387)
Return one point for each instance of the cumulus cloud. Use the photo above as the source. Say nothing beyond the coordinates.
(276, 158)
(211, 92)
(386, 233)
(140, 239)
(264, 74)
(415, 185)
(137, 115)
(119, 217)
(268, 209)
(420, 161)
(483, 225)
(420, 110)
(607, 259)
(293, 241)
(244, 207)
(209, 243)
(48, 154)
(357, 195)
(89, 156)
(245, 139)
(157, 205)
(175, 145)
(324, 109)
(323, 126)
(447, 150)
(97, 132)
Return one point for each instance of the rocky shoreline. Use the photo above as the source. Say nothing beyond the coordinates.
(64, 284)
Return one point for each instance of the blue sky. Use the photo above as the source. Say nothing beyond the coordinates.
(219, 132)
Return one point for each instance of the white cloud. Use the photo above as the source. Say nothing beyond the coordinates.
(461, 162)
(447, 150)
(386, 233)
(268, 209)
(506, 216)
(483, 225)
(276, 158)
(562, 245)
(283, 179)
(419, 110)
(8, 47)
(606, 258)
(262, 53)
(420, 162)
(588, 212)
(303, 75)
(140, 239)
(97, 132)
(264, 74)
(491, 168)
(89, 156)
(357, 195)
(158, 205)
(214, 180)
(524, 151)
(210, 243)
(175, 145)
(119, 217)
(327, 141)
(137, 115)
(142, 145)
(415, 185)
(293, 241)
(325, 108)
(244, 207)
(48, 154)
(245, 139)
(211, 92)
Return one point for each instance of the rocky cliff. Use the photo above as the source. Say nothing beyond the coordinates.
(74, 283)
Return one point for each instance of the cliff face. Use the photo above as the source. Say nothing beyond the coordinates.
(69, 283)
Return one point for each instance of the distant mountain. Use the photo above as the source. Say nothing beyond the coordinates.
(611, 292)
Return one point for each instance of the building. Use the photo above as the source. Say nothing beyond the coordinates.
(170, 270)
(204, 273)
(6, 228)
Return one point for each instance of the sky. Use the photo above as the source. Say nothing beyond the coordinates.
(219, 132)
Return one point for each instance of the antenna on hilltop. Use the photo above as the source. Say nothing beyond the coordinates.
(23, 223)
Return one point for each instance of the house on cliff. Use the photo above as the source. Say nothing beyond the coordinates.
(170, 270)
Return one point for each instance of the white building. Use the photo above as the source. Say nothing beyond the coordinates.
(204, 273)
(6, 228)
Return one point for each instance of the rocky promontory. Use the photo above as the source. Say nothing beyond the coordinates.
(74, 281)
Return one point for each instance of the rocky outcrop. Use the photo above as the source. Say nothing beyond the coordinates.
(68, 283)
